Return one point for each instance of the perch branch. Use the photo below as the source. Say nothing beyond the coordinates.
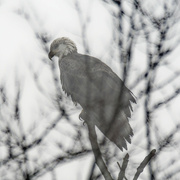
(98, 157)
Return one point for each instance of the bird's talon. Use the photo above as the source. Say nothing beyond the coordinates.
(80, 118)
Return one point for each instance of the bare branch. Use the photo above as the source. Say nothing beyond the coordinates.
(123, 169)
(144, 163)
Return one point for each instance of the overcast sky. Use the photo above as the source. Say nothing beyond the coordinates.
(21, 54)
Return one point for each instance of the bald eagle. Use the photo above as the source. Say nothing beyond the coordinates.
(105, 100)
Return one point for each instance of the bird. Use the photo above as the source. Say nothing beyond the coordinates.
(103, 96)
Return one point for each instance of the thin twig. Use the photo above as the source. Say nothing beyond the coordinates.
(144, 163)
(124, 166)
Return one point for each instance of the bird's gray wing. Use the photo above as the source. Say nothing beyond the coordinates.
(112, 90)
(116, 110)
(86, 78)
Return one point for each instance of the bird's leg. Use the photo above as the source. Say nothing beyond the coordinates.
(80, 116)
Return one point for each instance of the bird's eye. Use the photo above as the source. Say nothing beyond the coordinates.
(55, 46)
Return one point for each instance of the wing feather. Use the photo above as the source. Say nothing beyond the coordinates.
(88, 80)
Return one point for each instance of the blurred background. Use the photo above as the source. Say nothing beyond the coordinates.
(41, 136)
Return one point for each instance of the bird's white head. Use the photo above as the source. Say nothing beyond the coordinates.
(61, 47)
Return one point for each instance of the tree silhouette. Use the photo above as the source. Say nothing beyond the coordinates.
(40, 132)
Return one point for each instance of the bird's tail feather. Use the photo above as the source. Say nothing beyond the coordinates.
(118, 130)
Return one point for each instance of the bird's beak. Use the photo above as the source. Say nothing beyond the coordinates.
(50, 55)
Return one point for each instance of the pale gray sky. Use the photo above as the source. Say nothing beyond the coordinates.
(21, 54)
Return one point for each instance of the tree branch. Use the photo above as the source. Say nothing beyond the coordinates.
(97, 153)
(123, 169)
(144, 163)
